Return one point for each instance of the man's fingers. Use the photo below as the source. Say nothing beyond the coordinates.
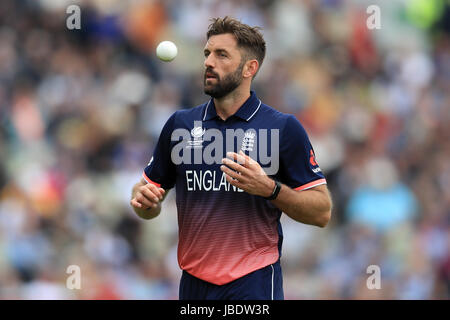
(248, 159)
(157, 192)
(134, 203)
(241, 158)
(161, 193)
(234, 156)
(145, 201)
(234, 182)
(150, 194)
(242, 154)
(147, 196)
(235, 166)
(231, 173)
(242, 165)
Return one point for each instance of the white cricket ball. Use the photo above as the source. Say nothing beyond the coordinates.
(166, 51)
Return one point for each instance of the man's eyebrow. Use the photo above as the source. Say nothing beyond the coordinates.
(221, 50)
(216, 50)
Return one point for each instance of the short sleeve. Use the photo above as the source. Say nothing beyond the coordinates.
(161, 171)
(298, 165)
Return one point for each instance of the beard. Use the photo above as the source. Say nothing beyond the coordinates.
(224, 86)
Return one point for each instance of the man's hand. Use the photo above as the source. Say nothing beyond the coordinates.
(247, 174)
(146, 199)
(147, 196)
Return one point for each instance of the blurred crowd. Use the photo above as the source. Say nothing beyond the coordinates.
(80, 111)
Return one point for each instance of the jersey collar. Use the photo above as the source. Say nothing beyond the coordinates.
(246, 112)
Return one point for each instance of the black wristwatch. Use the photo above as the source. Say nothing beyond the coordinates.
(275, 191)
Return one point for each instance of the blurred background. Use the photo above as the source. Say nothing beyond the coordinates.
(81, 110)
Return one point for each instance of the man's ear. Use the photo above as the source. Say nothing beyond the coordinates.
(250, 68)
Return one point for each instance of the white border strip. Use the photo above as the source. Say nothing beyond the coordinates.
(315, 185)
(206, 110)
(255, 111)
(272, 279)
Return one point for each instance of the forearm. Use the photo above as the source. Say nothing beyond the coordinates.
(145, 213)
(311, 206)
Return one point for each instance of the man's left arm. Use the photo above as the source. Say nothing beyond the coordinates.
(311, 206)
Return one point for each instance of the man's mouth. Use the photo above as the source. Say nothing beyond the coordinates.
(210, 76)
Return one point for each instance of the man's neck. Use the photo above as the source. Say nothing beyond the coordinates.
(230, 104)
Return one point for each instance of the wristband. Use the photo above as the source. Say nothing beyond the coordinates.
(275, 191)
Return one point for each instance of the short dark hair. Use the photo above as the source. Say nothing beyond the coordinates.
(248, 38)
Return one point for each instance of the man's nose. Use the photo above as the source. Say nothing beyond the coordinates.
(209, 62)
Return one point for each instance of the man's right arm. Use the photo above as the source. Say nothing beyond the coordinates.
(146, 199)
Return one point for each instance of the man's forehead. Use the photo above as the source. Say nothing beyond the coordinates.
(221, 41)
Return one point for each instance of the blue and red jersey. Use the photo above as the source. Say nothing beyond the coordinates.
(224, 232)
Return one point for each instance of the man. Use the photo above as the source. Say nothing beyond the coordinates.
(228, 207)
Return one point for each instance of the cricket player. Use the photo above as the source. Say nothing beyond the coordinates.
(236, 165)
